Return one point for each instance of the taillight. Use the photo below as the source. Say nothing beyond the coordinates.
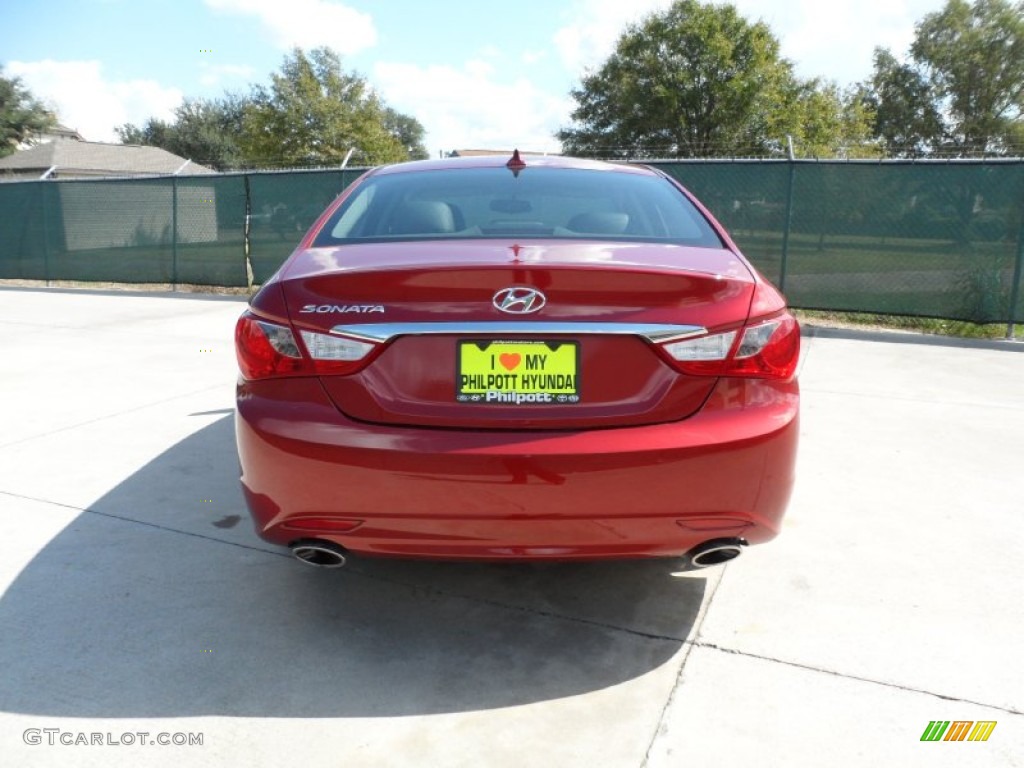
(266, 350)
(335, 354)
(765, 348)
(768, 349)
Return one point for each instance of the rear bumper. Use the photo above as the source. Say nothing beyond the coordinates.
(649, 491)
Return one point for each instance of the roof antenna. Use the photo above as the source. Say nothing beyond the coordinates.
(516, 164)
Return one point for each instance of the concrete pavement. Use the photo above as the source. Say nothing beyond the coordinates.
(136, 598)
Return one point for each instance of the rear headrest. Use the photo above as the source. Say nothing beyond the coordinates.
(607, 223)
(423, 217)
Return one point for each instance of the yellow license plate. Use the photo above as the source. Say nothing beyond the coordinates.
(518, 372)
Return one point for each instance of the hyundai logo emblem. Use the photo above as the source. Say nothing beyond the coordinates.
(519, 301)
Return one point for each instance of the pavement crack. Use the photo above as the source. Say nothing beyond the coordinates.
(354, 572)
(110, 416)
(688, 645)
(847, 676)
(157, 526)
(688, 648)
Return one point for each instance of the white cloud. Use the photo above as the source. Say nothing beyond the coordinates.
(836, 40)
(831, 40)
(595, 28)
(215, 74)
(307, 23)
(90, 104)
(466, 108)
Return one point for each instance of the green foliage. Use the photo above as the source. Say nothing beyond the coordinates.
(204, 131)
(699, 80)
(695, 79)
(962, 92)
(314, 113)
(409, 132)
(826, 122)
(21, 115)
(907, 119)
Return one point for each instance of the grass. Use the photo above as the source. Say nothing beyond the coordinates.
(930, 325)
(842, 254)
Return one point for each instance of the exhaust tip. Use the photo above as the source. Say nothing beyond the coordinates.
(715, 552)
(322, 554)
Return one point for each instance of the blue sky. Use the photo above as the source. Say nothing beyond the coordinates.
(475, 74)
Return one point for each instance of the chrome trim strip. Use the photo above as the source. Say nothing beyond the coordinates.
(383, 332)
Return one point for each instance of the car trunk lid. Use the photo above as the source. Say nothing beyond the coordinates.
(452, 358)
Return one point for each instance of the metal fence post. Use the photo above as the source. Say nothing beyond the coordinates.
(246, 236)
(1015, 284)
(44, 186)
(174, 233)
(787, 224)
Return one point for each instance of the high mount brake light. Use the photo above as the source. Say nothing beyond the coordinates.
(268, 350)
(516, 162)
(765, 348)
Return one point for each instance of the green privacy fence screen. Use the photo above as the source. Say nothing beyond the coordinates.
(180, 229)
(931, 239)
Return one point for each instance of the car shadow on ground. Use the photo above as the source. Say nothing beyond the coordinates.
(160, 601)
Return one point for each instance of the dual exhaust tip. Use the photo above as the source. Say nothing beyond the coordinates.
(319, 553)
(327, 554)
(715, 552)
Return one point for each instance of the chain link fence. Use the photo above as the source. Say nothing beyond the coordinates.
(197, 230)
(283, 205)
(925, 239)
(929, 239)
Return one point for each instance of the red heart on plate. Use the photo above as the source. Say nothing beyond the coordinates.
(510, 361)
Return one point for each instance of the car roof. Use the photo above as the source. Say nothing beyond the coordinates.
(497, 161)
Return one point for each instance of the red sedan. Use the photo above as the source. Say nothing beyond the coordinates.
(501, 359)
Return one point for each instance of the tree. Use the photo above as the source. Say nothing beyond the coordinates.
(907, 119)
(409, 132)
(314, 113)
(822, 120)
(962, 91)
(204, 131)
(694, 80)
(21, 115)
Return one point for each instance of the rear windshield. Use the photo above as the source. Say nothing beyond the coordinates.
(537, 203)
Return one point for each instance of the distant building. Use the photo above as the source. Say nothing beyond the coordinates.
(133, 209)
(65, 156)
(57, 133)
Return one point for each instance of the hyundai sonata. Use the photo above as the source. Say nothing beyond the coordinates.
(515, 359)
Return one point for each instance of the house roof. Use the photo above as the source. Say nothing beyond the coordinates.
(61, 131)
(91, 158)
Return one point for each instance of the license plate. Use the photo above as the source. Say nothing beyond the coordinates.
(518, 372)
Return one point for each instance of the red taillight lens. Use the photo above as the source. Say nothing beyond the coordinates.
(766, 348)
(266, 349)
